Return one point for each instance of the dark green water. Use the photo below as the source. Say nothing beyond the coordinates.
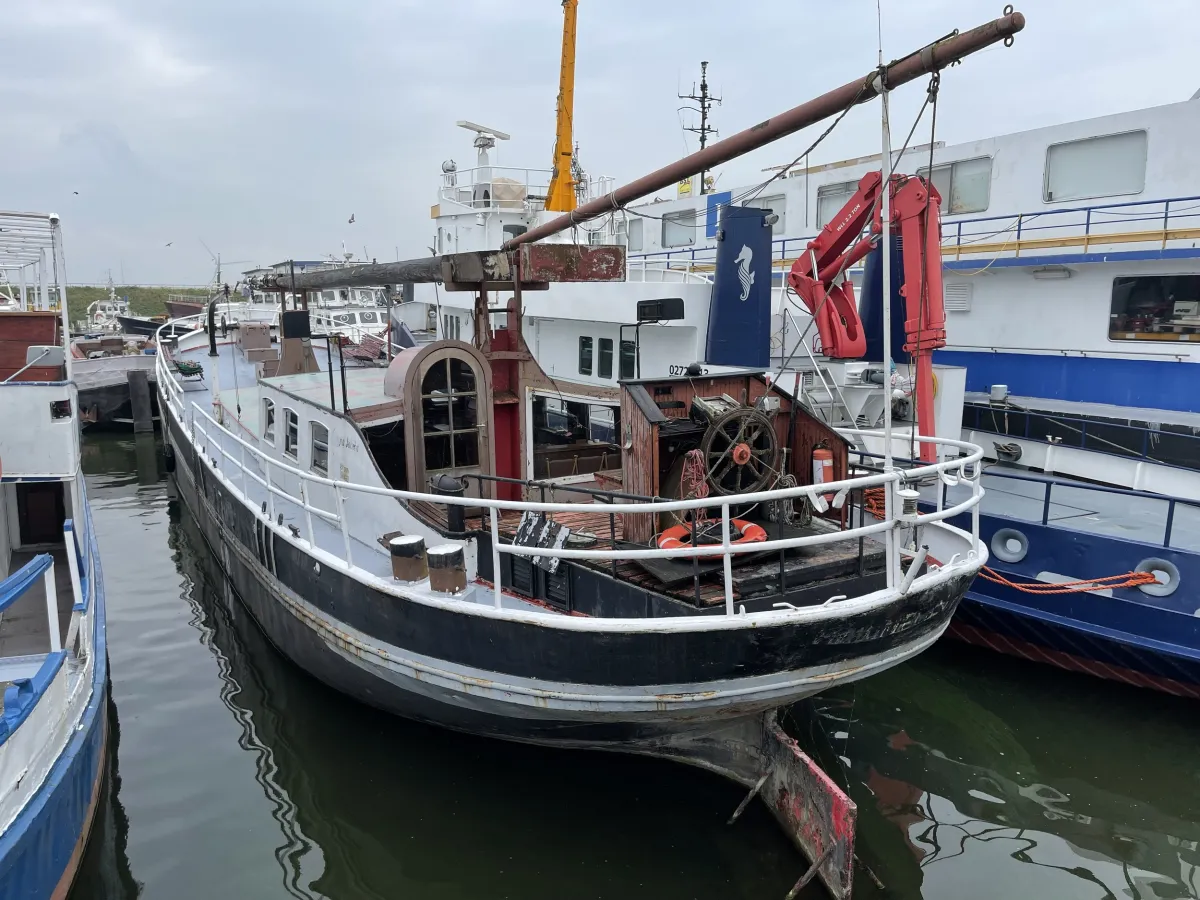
(235, 775)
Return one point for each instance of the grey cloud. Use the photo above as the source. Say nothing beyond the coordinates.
(260, 126)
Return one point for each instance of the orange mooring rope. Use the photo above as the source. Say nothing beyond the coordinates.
(873, 500)
(1127, 580)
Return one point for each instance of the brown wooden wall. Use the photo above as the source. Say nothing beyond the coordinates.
(641, 462)
(18, 332)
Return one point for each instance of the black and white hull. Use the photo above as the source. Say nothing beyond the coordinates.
(612, 648)
(473, 668)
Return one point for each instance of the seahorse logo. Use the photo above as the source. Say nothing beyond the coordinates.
(745, 276)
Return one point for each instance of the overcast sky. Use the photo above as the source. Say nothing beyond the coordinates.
(260, 126)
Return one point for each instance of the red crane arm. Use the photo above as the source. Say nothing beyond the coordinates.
(916, 218)
(814, 275)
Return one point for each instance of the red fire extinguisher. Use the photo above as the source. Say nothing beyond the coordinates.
(822, 465)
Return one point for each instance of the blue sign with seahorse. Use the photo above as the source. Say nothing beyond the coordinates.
(739, 317)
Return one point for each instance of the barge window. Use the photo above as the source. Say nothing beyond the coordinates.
(606, 357)
(679, 228)
(965, 186)
(291, 433)
(268, 426)
(1105, 166)
(777, 205)
(634, 231)
(628, 360)
(320, 449)
(831, 198)
(1155, 308)
(585, 355)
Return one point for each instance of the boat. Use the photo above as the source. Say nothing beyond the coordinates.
(181, 306)
(392, 530)
(53, 662)
(1099, 396)
(104, 315)
(143, 326)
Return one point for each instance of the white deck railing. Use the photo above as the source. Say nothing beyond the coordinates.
(223, 448)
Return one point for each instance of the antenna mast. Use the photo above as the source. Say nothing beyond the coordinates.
(706, 101)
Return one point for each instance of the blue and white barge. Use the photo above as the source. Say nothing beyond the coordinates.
(53, 663)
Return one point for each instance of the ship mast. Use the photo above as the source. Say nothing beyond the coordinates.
(705, 102)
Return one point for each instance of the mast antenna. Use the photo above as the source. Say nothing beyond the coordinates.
(704, 129)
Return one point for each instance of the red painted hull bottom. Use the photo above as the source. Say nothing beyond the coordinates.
(1011, 646)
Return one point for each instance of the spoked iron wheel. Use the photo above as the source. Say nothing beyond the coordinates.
(741, 452)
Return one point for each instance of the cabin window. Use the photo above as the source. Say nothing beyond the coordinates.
(965, 186)
(679, 228)
(585, 355)
(291, 433)
(450, 416)
(368, 318)
(1155, 308)
(329, 297)
(512, 231)
(633, 230)
(268, 422)
(628, 359)
(573, 438)
(831, 198)
(344, 319)
(1106, 166)
(320, 449)
(777, 205)
(451, 327)
(604, 368)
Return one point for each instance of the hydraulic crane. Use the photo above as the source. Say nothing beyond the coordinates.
(561, 195)
(818, 278)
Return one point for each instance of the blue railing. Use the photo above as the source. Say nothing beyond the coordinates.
(1076, 428)
(1080, 221)
(1050, 483)
(22, 695)
(16, 585)
(82, 564)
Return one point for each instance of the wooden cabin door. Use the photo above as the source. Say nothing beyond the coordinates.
(40, 511)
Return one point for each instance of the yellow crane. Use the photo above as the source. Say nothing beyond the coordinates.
(561, 195)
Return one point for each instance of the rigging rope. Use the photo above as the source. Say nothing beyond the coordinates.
(1124, 580)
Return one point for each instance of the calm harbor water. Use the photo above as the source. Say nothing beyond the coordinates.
(236, 775)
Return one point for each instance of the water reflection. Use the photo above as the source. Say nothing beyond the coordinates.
(300, 861)
(104, 872)
(239, 775)
(973, 772)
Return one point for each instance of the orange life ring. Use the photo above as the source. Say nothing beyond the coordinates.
(679, 536)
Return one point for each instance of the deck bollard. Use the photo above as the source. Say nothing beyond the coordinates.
(447, 569)
(408, 558)
(449, 486)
